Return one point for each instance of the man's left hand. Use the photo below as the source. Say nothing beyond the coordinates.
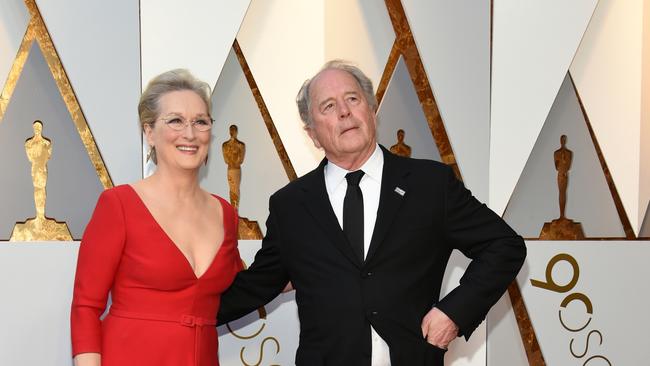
(438, 329)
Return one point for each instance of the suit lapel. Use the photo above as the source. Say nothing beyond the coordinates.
(394, 190)
(316, 202)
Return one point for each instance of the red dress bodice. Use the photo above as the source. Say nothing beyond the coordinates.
(161, 313)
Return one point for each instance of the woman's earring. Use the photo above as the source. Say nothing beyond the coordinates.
(152, 154)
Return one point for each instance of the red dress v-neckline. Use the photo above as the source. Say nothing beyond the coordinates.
(188, 265)
(157, 299)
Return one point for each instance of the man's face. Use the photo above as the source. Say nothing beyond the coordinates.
(343, 124)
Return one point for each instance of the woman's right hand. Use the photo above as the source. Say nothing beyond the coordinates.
(88, 359)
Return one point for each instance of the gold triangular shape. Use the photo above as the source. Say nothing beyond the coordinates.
(562, 180)
(405, 46)
(37, 31)
(41, 228)
(268, 120)
(234, 151)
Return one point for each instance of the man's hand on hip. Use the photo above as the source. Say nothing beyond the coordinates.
(438, 329)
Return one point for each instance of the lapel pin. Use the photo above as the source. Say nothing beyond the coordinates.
(399, 191)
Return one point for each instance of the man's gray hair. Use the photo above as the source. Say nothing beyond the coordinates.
(303, 99)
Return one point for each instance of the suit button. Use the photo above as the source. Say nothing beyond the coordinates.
(374, 313)
(366, 274)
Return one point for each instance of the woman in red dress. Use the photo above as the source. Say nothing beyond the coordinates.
(163, 248)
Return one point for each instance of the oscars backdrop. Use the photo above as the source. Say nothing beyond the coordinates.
(541, 107)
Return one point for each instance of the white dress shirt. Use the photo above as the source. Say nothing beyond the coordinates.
(370, 185)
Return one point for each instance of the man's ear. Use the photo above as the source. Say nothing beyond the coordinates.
(375, 119)
(312, 134)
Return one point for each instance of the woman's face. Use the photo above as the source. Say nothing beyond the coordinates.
(185, 149)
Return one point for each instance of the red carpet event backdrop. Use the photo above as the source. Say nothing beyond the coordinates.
(541, 107)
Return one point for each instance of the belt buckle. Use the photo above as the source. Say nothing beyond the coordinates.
(188, 320)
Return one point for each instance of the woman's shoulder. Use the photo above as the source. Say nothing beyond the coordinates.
(120, 191)
(120, 195)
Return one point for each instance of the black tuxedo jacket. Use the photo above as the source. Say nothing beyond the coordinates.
(339, 297)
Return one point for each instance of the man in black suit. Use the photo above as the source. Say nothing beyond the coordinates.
(365, 238)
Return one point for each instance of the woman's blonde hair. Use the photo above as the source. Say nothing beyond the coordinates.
(173, 80)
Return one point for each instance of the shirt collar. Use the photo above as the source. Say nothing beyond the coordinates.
(335, 175)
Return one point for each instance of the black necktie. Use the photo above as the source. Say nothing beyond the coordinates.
(353, 213)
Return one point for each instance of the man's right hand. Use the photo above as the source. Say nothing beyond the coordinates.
(438, 328)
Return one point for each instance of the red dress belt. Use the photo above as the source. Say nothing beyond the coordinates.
(185, 319)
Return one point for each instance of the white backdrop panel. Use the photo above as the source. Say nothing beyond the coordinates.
(401, 109)
(593, 284)
(504, 345)
(14, 18)
(36, 281)
(102, 61)
(359, 31)
(644, 160)
(282, 41)
(607, 71)
(197, 37)
(530, 56)
(453, 38)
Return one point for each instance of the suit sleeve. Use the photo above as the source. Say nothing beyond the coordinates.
(261, 282)
(496, 252)
(99, 256)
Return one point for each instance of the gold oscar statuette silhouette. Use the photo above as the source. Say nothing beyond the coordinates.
(39, 228)
(233, 154)
(562, 228)
(400, 148)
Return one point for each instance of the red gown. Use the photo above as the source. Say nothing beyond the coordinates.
(161, 313)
